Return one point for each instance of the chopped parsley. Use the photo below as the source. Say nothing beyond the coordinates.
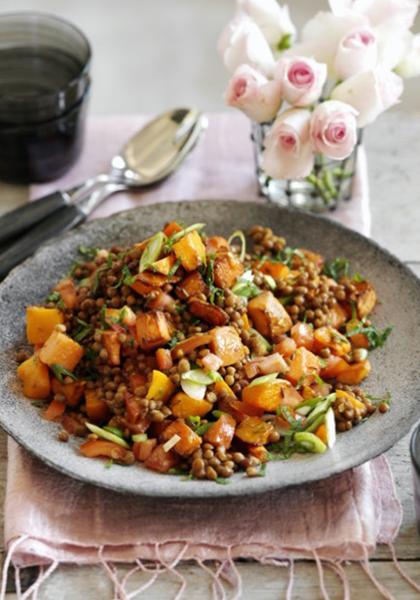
(55, 297)
(89, 253)
(83, 330)
(207, 273)
(337, 268)
(287, 255)
(376, 400)
(376, 338)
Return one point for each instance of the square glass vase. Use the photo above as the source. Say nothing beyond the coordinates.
(329, 184)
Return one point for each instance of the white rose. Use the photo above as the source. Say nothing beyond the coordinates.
(370, 93)
(288, 152)
(273, 20)
(357, 51)
(334, 129)
(302, 79)
(322, 35)
(242, 42)
(399, 12)
(253, 94)
(410, 64)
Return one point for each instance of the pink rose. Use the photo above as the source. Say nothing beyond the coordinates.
(253, 94)
(370, 93)
(357, 51)
(302, 79)
(288, 153)
(333, 129)
(242, 42)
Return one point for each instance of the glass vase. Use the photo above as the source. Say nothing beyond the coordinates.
(329, 184)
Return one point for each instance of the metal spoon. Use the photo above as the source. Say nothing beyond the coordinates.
(149, 156)
(146, 158)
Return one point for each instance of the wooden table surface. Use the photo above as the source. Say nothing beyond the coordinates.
(393, 147)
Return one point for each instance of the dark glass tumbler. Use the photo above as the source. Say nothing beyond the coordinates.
(44, 91)
(415, 460)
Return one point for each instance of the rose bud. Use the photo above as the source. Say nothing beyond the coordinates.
(302, 79)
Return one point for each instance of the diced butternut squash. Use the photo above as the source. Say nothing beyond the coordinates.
(328, 337)
(334, 365)
(171, 228)
(113, 347)
(354, 401)
(191, 286)
(238, 409)
(154, 280)
(254, 430)
(161, 388)
(96, 409)
(191, 251)
(41, 322)
(227, 268)
(191, 343)
(366, 299)
(210, 313)
(73, 392)
(215, 244)
(54, 410)
(321, 432)
(265, 396)
(189, 441)
(164, 359)
(303, 365)
(354, 373)
(286, 346)
(61, 350)
(358, 340)
(164, 265)
(161, 461)
(142, 450)
(104, 448)
(303, 335)
(153, 330)
(276, 270)
(337, 316)
(221, 432)
(132, 409)
(227, 345)
(35, 378)
(142, 288)
(223, 389)
(184, 406)
(68, 292)
(269, 316)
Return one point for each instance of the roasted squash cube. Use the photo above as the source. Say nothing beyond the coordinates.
(184, 406)
(189, 441)
(96, 408)
(35, 378)
(227, 269)
(161, 388)
(221, 432)
(270, 318)
(41, 322)
(304, 365)
(153, 330)
(60, 349)
(227, 345)
(191, 251)
(191, 286)
(207, 312)
(254, 430)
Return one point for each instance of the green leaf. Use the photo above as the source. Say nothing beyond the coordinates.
(203, 428)
(357, 278)
(337, 268)
(285, 42)
(83, 330)
(61, 372)
(152, 251)
(286, 255)
(126, 278)
(375, 337)
(89, 253)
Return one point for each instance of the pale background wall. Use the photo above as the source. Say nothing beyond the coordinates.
(152, 54)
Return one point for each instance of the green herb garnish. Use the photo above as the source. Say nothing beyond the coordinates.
(152, 251)
(222, 480)
(286, 255)
(61, 372)
(376, 400)
(337, 268)
(83, 330)
(203, 428)
(89, 253)
(376, 338)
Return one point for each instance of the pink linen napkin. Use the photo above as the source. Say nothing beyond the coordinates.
(50, 519)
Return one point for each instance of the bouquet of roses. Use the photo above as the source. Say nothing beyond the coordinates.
(344, 71)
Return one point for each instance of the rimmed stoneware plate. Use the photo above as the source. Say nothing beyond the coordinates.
(395, 368)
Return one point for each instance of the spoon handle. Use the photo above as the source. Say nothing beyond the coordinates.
(58, 222)
(22, 218)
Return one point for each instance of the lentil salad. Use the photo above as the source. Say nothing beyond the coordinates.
(191, 355)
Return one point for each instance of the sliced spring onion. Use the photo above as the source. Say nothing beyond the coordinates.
(198, 376)
(152, 251)
(270, 281)
(309, 442)
(239, 234)
(171, 442)
(315, 424)
(320, 409)
(139, 437)
(180, 234)
(114, 430)
(107, 435)
(330, 426)
(263, 379)
(194, 390)
(305, 407)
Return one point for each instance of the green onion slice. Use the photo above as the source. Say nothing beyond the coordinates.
(152, 251)
(107, 435)
(240, 235)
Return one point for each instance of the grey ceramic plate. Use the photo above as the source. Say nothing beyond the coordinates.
(396, 368)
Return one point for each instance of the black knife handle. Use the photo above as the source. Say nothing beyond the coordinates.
(57, 223)
(22, 218)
